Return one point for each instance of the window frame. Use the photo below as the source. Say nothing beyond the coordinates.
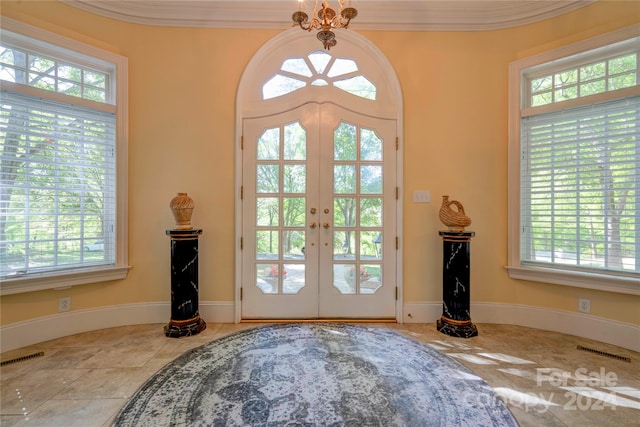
(317, 73)
(64, 48)
(614, 282)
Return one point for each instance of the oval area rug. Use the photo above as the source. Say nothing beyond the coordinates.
(315, 374)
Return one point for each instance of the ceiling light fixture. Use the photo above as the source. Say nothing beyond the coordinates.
(325, 20)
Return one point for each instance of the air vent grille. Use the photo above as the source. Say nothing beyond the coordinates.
(22, 358)
(606, 354)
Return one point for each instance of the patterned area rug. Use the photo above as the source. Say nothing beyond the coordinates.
(315, 375)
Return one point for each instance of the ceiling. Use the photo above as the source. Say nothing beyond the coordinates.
(407, 15)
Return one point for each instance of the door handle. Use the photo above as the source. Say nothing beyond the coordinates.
(326, 225)
(312, 225)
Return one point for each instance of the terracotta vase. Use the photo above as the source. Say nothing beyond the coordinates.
(182, 207)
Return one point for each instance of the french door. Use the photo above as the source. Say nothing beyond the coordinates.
(319, 206)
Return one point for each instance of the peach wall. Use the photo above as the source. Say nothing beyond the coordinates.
(183, 83)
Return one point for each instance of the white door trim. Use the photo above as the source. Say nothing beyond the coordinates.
(249, 104)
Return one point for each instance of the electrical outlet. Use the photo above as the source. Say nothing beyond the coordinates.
(584, 305)
(64, 304)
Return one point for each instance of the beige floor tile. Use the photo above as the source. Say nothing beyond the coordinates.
(25, 393)
(118, 357)
(64, 357)
(84, 379)
(10, 420)
(111, 383)
(73, 413)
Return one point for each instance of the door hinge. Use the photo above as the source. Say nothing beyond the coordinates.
(397, 243)
(397, 192)
(242, 288)
(241, 243)
(396, 293)
(242, 142)
(242, 192)
(397, 143)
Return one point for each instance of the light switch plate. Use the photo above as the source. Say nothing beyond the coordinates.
(422, 196)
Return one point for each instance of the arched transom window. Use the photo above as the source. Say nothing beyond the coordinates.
(319, 69)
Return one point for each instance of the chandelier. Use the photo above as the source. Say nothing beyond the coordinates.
(325, 20)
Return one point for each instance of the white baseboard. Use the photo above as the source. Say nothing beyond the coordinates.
(42, 329)
(46, 328)
(626, 335)
(421, 312)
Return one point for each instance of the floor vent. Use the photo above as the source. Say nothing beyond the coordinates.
(22, 358)
(604, 353)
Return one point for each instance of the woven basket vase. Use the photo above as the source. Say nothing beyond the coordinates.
(455, 219)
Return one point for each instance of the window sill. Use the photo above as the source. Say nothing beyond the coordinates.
(602, 282)
(63, 280)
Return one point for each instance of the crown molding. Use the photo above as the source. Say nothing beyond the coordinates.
(397, 15)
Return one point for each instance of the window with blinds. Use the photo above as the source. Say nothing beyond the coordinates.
(58, 174)
(575, 164)
(579, 188)
(62, 202)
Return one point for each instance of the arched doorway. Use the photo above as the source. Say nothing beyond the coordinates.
(318, 178)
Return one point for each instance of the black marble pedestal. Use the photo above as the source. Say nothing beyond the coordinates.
(185, 317)
(456, 316)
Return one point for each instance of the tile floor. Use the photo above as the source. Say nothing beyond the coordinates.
(83, 380)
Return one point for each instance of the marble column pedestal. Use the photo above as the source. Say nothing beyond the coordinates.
(185, 316)
(456, 317)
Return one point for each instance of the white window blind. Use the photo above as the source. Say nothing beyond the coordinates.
(580, 175)
(58, 185)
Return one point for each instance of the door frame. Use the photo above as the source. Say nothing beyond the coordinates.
(320, 298)
(249, 104)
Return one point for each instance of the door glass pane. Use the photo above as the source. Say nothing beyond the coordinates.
(293, 244)
(377, 245)
(296, 66)
(267, 211)
(344, 278)
(370, 145)
(370, 278)
(344, 179)
(280, 85)
(342, 66)
(269, 145)
(295, 142)
(358, 85)
(344, 245)
(267, 178)
(295, 178)
(371, 212)
(267, 278)
(344, 142)
(368, 246)
(293, 280)
(293, 211)
(267, 245)
(344, 212)
(370, 179)
(319, 59)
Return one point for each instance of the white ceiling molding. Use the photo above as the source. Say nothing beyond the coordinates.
(394, 15)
